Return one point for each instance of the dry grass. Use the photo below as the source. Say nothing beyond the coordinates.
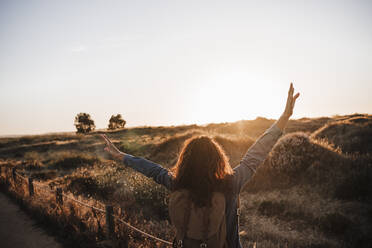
(314, 190)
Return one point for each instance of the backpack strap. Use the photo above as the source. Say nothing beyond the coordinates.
(238, 205)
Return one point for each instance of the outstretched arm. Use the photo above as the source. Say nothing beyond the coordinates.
(144, 166)
(258, 152)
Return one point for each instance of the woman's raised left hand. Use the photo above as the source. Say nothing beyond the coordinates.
(112, 149)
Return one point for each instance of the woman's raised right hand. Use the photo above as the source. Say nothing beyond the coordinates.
(288, 111)
(291, 100)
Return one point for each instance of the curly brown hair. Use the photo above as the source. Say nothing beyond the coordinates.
(202, 168)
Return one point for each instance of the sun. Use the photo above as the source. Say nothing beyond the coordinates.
(234, 96)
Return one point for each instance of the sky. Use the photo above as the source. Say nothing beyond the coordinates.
(180, 62)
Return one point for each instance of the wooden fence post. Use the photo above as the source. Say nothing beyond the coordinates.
(14, 174)
(30, 186)
(1, 172)
(6, 177)
(109, 222)
(59, 198)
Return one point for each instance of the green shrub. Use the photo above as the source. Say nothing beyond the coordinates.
(116, 122)
(84, 123)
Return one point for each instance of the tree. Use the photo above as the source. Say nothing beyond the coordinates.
(116, 122)
(84, 123)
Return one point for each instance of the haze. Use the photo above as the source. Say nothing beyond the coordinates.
(180, 62)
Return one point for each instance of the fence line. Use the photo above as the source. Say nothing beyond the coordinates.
(142, 232)
(41, 185)
(82, 203)
(46, 187)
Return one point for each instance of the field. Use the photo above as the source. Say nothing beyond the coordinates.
(314, 190)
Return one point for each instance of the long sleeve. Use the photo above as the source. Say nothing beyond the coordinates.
(149, 169)
(255, 155)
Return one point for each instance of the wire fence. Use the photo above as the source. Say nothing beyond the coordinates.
(142, 232)
(83, 204)
(59, 198)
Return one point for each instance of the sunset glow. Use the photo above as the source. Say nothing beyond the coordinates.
(172, 63)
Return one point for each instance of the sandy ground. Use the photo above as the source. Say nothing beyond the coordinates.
(17, 230)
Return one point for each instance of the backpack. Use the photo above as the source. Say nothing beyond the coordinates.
(198, 227)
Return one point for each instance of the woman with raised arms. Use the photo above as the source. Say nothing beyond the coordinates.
(205, 188)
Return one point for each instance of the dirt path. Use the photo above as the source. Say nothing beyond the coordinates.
(17, 230)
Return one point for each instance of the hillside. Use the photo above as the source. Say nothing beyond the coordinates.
(314, 190)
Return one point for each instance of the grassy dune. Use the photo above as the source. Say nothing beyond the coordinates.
(314, 190)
